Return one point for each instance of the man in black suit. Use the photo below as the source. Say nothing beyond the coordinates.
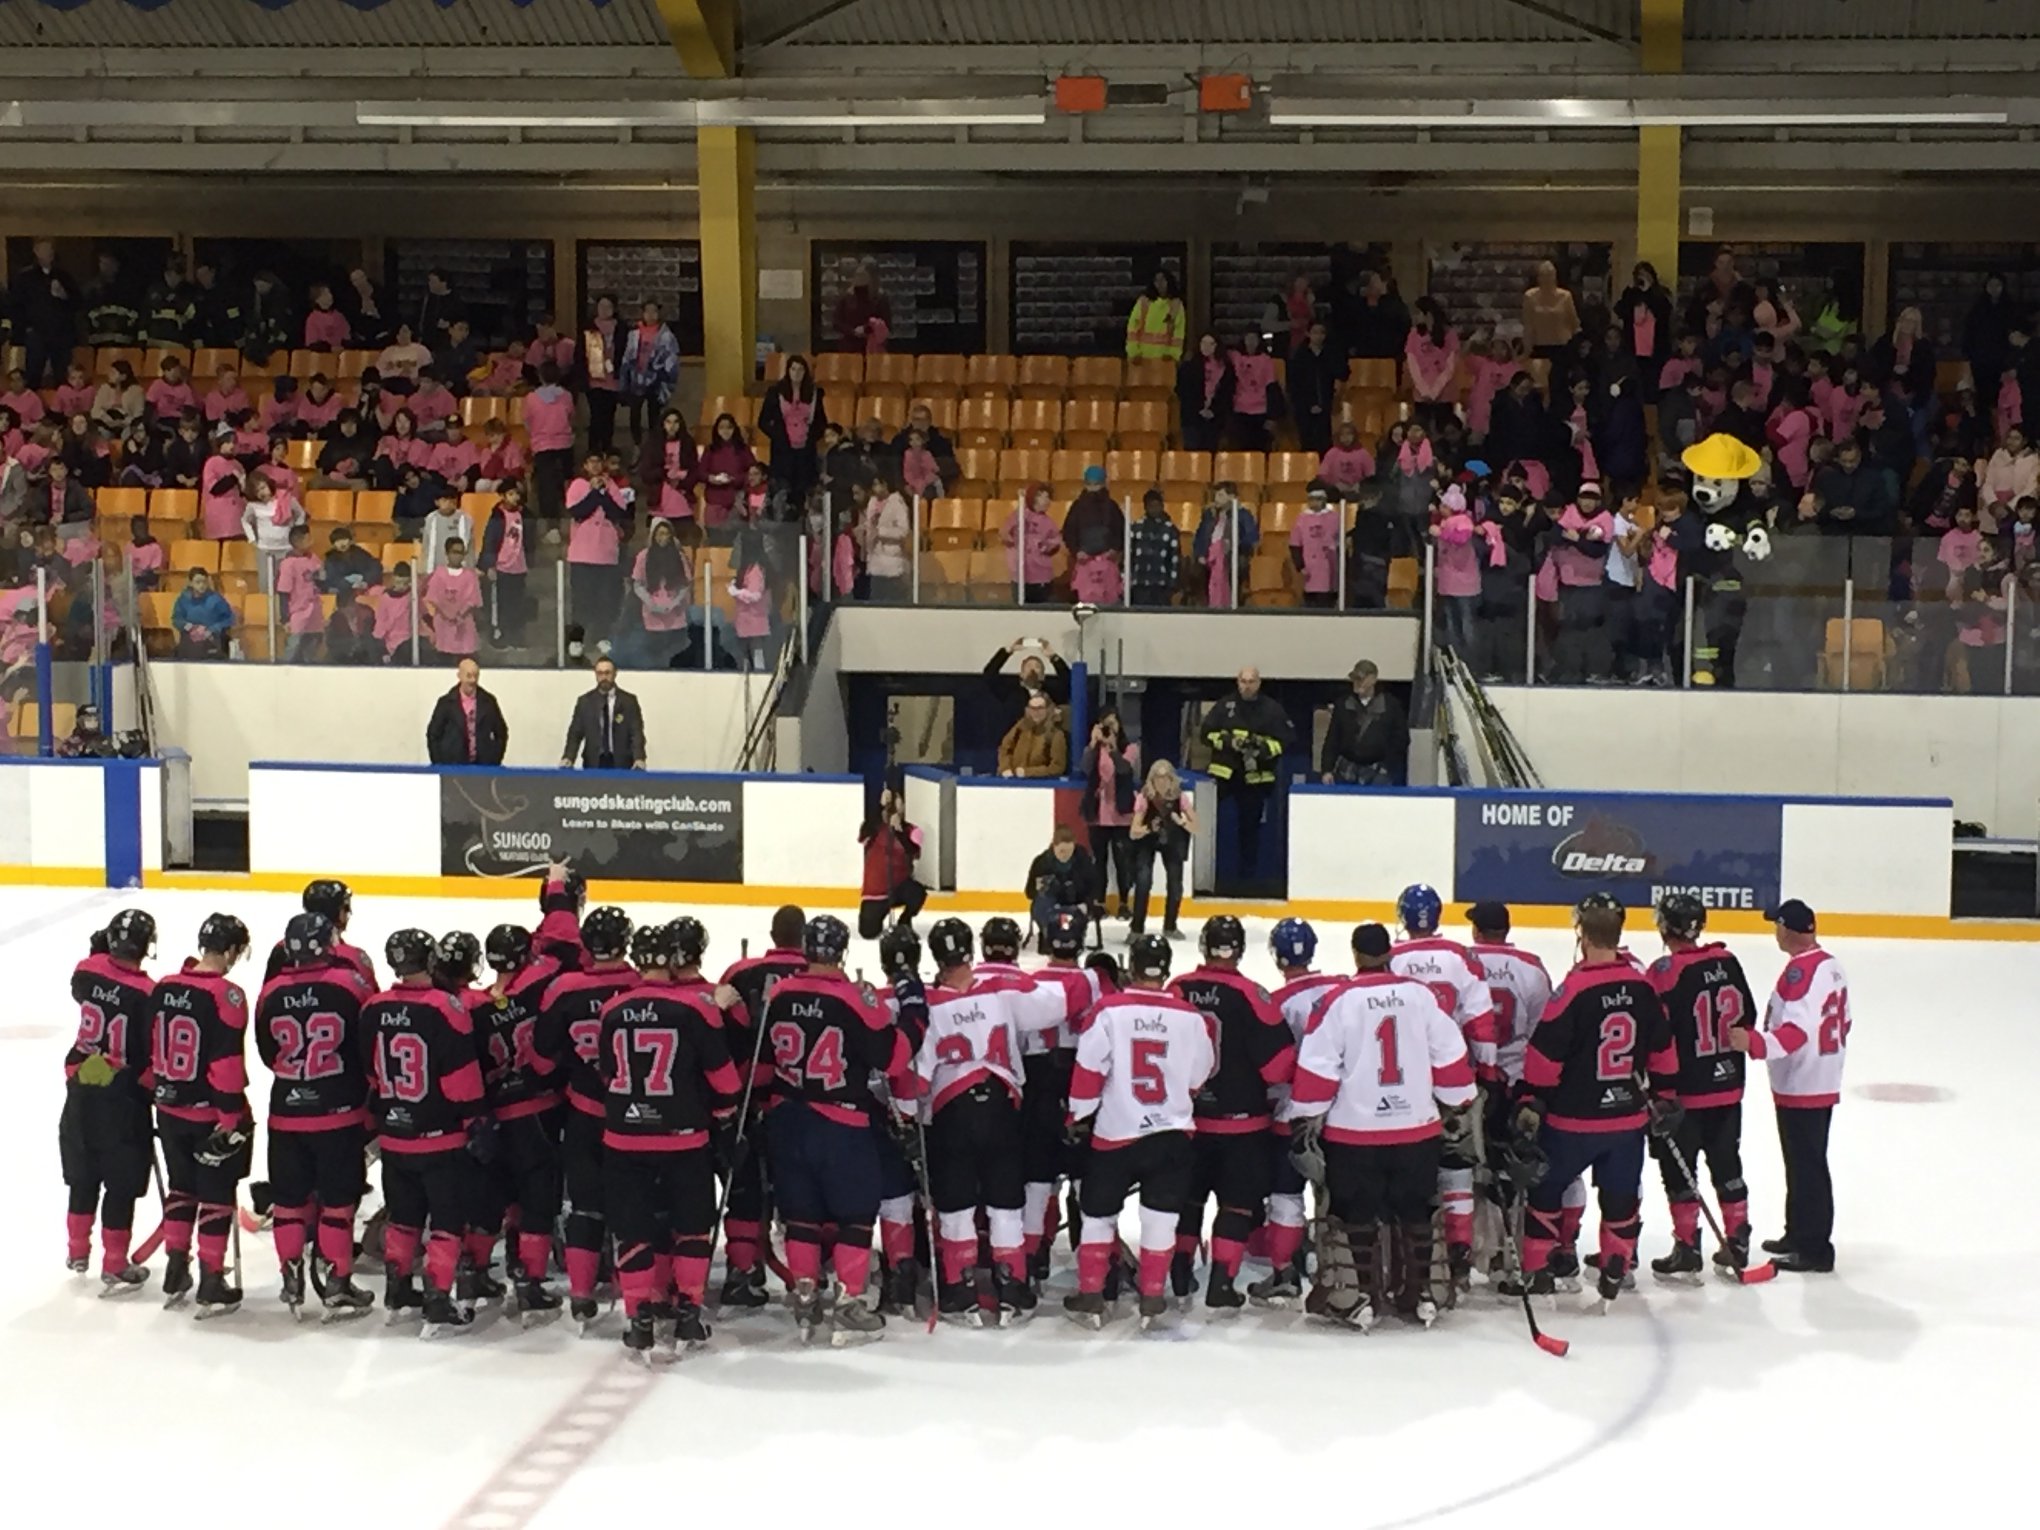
(608, 730)
(467, 726)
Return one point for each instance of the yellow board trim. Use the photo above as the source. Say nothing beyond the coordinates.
(731, 894)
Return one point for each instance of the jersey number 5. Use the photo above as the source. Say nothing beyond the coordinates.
(1147, 1057)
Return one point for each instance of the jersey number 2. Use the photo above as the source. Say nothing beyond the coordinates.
(1616, 1056)
(824, 1063)
(309, 1049)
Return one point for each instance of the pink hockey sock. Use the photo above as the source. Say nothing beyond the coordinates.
(1186, 1243)
(853, 1267)
(1012, 1260)
(690, 1276)
(78, 1234)
(1735, 1216)
(1686, 1221)
(803, 1260)
(583, 1265)
(743, 1239)
(480, 1247)
(662, 1275)
(336, 1238)
(287, 1231)
(442, 1259)
(1257, 1242)
(113, 1249)
(1154, 1269)
(534, 1252)
(1093, 1261)
(897, 1239)
(1283, 1243)
(212, 1251)
(1569, 1219)
(400, 1249)
(957, 1254)
(1227, 1253)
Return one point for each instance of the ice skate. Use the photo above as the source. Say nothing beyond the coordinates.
(1221, 1294)
(638, 1337)
(1565, 1270)
(536, 1302)
(1614, 1279)
(957, 1302)
(444, 1317)
(343, 1299)
(1154, 1312)
(1087, 1309)
(216, 1295)
(176, 1278)
(854, 1323)
(1594, 1264)
(293, 1293)
(806, 1300)
(1682, 1266)
(902, 1286)
(744, 1290)
(131, 1277)
(1017, 1300)
(79, 1264)
(401, 1296)
(1733, 1257)
(690, 1325)
(1183, 1276)
(1281, 1290)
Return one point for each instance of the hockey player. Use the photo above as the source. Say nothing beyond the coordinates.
(561, 897)
(334, 902)
(456, 962)
(1805, 1039)
(828, 1036)
(969, 1068)
(753, 977)
(1583, 1101)
(520, 1085)
(1444, 967)
(671, 1086)
(898, 1132)
(1141, 1060)
(425, 1094)
(1706, 997)
(1293, 944)
(1232, 1151)
(198, 1023)
(1082, 987)
(103, 1137)
(308, 1034)
(567, 1036)
(1382, 1082)
(1046, 1096)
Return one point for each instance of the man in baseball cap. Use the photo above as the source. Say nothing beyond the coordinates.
(1793, 917)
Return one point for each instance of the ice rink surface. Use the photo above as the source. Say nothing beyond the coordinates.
(1887, 1394)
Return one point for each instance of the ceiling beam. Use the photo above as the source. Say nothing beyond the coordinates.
(1557, 16)
(704, 34)
(800, 24)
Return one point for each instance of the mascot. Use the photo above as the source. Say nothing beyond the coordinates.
(1731, 516)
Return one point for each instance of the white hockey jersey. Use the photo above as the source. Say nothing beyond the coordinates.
(1296, 999)
(1035, 1040)
(1805, 1038)
(1140, 1063)
(977, 1035)
(1444, 967)
(1080, 990)
(1378, 1056)
(1518, 989)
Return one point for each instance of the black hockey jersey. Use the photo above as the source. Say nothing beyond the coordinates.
(569, 1032)
(353, 956)
(828, 1035)
(1705, 996)
(308, 1034)
(424, 1079)
(754, 978)
(198, 1022)
(113, 1022)
(1600, 1030)
(1256, 1050)
(668, 1068)
(517, 1079)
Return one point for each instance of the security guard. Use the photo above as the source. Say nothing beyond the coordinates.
(1246, 733)
(1156, 328)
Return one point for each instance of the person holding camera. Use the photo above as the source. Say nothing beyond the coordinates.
(891, 846)
(1110, 771)
(1163, 821)
(1062, 876)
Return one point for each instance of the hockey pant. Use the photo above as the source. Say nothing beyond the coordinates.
(1616, 1159)
(1713, 1132)
(826, 1171)
(435, 1188)
(1163, 1166)
(662, 1209)
(103, 1145)
(974, 1157)
(526, 1175)
(1394, 1182)
(314, 1183)
(198, 1196)
(744, 1211)
(1044, 1155)
(581, 1155)
(1238, 1168)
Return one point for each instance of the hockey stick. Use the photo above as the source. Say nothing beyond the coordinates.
(1512, 1239)
(928, 1216)
(739, 1158)
(154, 1241)
(1749, 1274)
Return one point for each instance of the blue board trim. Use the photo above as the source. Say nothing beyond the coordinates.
(122, 793)
(1533, 794)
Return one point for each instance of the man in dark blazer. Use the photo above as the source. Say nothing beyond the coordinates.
(608, 730)
(467, 726)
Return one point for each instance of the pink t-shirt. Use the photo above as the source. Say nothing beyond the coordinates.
(453, 595)
(1252, 377)
(1041, 543)
(1433, 366)
(798, 417)
(1643, 330)
(393, 619)
(453, 460)
(297, 581)
(1458, 560)
(429, 406)
(665, 610)
(319, 412)
(72, 400)
(1574, 567)
(1346, 466)
(1315, 534)
(753, 618)
(27, 405)
(166, 399)
(1109, 816)
(219, 405)
(469, 705)
(327, 327)
(219, 514)
(549, 419)
(595, 539)
(147, 557)
(510, 550)
(675, 503)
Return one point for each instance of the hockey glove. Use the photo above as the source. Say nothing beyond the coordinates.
(1460, 1149)
(1306, 1147)
(724, 1143)
(223, 1146)
(481, 1142)
(1666, 1116)
(1528, 1120)
(1524, 1163)
(1077, 1133)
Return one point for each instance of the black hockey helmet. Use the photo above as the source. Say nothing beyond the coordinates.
(826, 940)
(567, 895)
(1106, 965)
(690, 940)
(1148, 956)
(654, 946)
(457, 958)
(223, 933)
(1223, 939)
(950, 943)
(1598, 903)
(1681, 916)
(307, 940)
(409, 952)
(899, 950)
(131, 934)
(1065, 933)
(508, 947)
(1000, 939)
(329, 896)
(606, 933)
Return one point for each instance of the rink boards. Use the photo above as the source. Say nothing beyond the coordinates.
(1875, 866)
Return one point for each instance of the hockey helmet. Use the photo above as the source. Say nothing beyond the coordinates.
(409, 952)
(329, 896)
(96, 943)
(825, 941)
(1223, 939)
(606, 933)
(654, 946)
(131, 934)
(899, 950)
(950, 941)
(1292, 942)
(1000, 939)
(307, 940)
(458, 956)
(508, 947)
(690, 940)
(1148, 957)
(1420, 908)
(1681, 916)
(224, 934)
(1065, 933)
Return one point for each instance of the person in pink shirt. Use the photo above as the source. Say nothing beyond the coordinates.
(26, 403)
(1844, 404)
(662, 577)
(1683, 365)
(1254, 394)
(432, 404)
(222, 498)
(547, 344)
(277, 469)
(146, 556)
(2025, 533)
(750, 590)
(503, 563)
(1315, 539)
(277, 414)
(919, 471)
(549, 423)
(297, 585)
(2011, 474)
(1489, 366)
(1032, 540)
(1348, 464)
(1457, 564)
(602, 524)
(76, 393)
(1431, 358)
(393, 624)
(1790, 430)
(453, 594)
(505, 375)
(170, 395)
(665, 469)
(503, 461)
(317, 407)
(1961, 549)
(1658, 601)
(226, 397)
(456, 459)
(723, 469)
(402, 447)
(844, 570)
(326, 327)
(885, 535)
(1580, 560)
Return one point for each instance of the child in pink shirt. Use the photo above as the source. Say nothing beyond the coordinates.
(1031, 547)
(456, 459)
(227, 397)
(146, 555)
(326, 327)
(433, 404)
(402, 447)
(1253, 375)
(602, 523)
(918, 469)
(1488, 372)
(77, 393)
(503, 461)
(753, 618)
(662, 577)
(504, 562)
(221, 499)
(453, 594)
(1685, 364)
(1314, 542)
(393, 625)
(1348, 464)
(277, 469)
(1844, 405)
(278, 414)
(26, 403)
(297, 585)
(317, 407)
(1961, 549)
(169, 395)
(505, 375)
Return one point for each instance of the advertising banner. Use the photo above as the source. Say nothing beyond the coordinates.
(1556, 847)
(635, 827)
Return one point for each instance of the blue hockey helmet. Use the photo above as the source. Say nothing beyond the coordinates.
(1420, 908)
(1293, 942)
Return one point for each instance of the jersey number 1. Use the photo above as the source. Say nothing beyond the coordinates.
(1387, 1040)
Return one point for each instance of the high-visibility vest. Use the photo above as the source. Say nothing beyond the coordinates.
(1154, 330)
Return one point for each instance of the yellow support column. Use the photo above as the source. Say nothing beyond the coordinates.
(728, 175)
(1657, 148)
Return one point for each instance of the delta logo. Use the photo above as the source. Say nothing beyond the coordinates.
(1603, 849)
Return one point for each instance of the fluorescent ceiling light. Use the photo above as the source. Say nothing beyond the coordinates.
(1605, 112)
(481, 114)
(1013, 112)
